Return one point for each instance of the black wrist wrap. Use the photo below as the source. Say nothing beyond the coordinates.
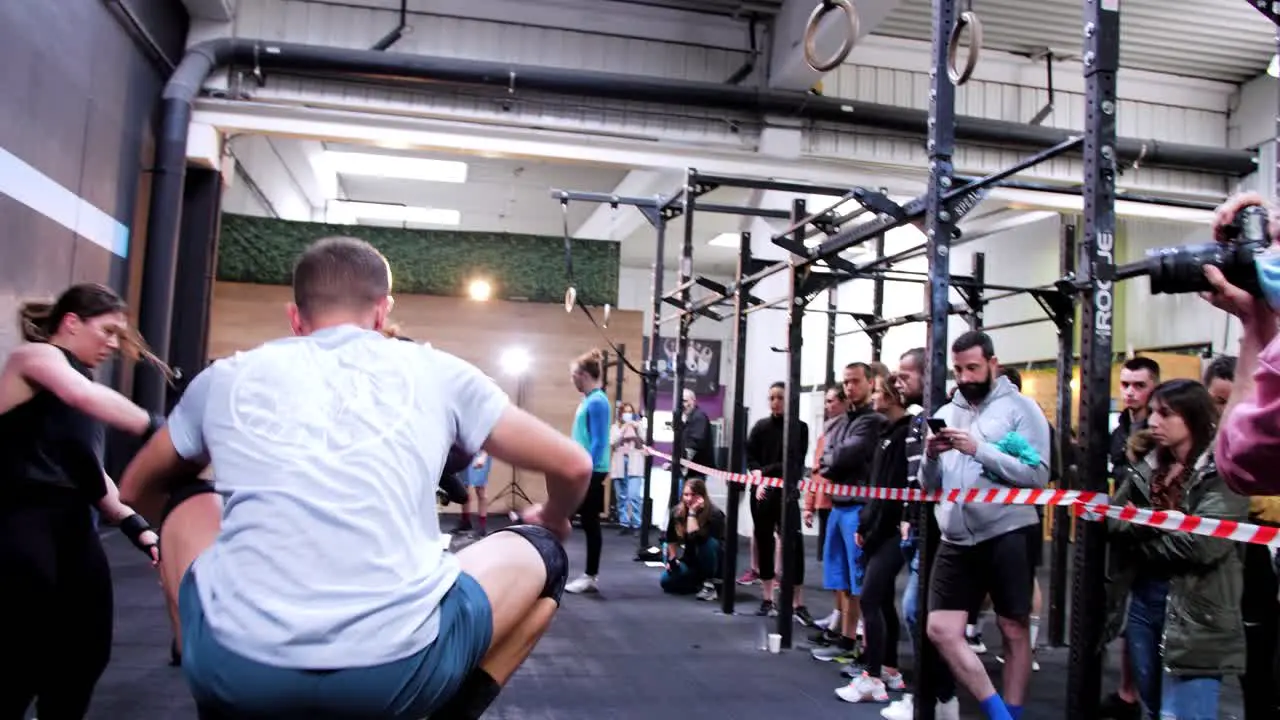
(133, 527)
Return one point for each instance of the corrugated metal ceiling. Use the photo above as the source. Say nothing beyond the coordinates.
(1213, 39)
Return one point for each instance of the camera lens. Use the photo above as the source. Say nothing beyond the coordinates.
(1181, 269)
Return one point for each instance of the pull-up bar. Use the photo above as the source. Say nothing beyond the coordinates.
(660, 204)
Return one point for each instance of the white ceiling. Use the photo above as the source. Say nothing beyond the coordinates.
(1213, 39)
(500, 194)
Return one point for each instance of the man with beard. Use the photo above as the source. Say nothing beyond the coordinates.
(994, 437)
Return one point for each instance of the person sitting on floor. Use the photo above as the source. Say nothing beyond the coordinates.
(696, 532)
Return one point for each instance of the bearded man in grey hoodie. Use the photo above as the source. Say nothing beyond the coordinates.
(994, 438)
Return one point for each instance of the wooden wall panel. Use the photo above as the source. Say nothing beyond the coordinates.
(244, 316)
(1041, 385)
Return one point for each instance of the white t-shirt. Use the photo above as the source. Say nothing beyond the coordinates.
(328, 450)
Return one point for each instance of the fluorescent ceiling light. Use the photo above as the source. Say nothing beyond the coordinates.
(1273, 68)
(1026, 199)
(397, 166)
(726, 240)
(346, 212)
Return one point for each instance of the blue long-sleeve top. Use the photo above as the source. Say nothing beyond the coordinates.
(591, 428)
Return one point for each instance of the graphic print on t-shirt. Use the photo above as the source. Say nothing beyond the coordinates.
(333, 401)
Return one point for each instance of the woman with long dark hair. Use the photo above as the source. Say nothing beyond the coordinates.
(1183, 623)
(57, 584)
(694, 543)
(591, 430)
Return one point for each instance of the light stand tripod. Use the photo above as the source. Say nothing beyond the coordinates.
(513, 491)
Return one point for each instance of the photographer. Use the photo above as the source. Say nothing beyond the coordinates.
(1248, 445)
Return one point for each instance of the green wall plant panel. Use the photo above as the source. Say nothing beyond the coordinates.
(429, 262)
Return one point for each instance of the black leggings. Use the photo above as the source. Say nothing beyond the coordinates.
(589, 514)
(823, 515)
(766, 514)
(879, 617)
(55, 627)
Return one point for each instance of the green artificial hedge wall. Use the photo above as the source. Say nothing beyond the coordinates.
(429, 262)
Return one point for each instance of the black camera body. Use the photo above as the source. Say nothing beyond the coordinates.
(1178, 270)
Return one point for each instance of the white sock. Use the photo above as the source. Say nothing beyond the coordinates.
(970, 631)
(1035, 630)
(834, 619)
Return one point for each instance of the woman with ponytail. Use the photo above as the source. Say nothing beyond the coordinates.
(57, 584)
(591, 426)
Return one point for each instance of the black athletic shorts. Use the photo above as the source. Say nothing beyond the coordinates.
(964, 574)
(1035, 541)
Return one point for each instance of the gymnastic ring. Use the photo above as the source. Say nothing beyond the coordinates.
(811, 34)
(608, 310)
(970, 20)
(570, 298)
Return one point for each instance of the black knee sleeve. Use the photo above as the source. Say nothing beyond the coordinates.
(470, 702)
(553, 557)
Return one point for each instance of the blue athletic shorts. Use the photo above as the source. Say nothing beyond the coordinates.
(841, 566)
(478, 477)
(408, 689)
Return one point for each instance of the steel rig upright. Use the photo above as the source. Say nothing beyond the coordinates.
(939, 227)
(1101, 60)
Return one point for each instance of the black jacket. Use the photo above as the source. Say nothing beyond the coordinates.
(878, 520)
(1120, 440)
(850, 450)
(764, 447)
(714, 529)
(696, 438)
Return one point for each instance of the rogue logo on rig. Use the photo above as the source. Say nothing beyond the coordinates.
(1104, 296)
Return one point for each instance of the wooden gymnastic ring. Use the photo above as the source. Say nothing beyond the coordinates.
(970, 20)
(811, 34)
(608, 310)
(570, 298)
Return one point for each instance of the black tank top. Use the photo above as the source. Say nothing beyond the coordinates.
(50, 450)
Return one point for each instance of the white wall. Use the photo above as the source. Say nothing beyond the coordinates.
(1157, 321)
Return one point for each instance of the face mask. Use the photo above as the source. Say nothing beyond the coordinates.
(975, 392)
(628, 417)
(1268, 265)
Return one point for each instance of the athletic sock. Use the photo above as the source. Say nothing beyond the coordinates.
(970, 631)
(1015, 711)
(477, 693)
(1035, 630)
(995, 709)
(484, 522)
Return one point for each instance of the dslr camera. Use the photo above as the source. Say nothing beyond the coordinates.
(1178, 270)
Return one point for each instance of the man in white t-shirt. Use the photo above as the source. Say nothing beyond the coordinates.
(323, 588)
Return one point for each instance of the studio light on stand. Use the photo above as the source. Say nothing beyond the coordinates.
(515, 363)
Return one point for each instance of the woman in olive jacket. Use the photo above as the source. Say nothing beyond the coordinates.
(1175, 595)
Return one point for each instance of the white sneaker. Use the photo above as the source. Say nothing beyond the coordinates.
(863, 688)
(584, 584)
(893, 681)
(902, 709)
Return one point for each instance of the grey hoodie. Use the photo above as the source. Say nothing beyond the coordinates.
(1003, 411)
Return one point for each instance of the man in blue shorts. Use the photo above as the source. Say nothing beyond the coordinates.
(476, 476)
(850, 448)
(323, 589)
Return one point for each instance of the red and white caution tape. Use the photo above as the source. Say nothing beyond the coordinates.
(998, 496)
(1088, 505)
(1173, 521)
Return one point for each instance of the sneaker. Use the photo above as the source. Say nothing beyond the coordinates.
(949, 710)
(976, 644)
(835, 653)
(584, 584)
(863, 688)
(802, 616)
(1117, 708)
(750, 577)
(767, 608)
(824, 638)
(892, 681)
(828, 621)
(707, 593)
(901, 709)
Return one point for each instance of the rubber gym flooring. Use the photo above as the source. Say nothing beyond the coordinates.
(630, 653)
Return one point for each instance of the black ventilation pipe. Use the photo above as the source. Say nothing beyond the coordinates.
(164, 215)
